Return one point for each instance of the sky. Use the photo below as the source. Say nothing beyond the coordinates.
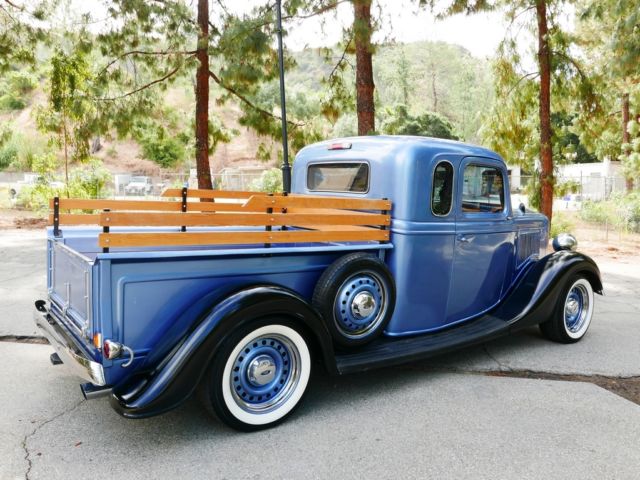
(480, 33)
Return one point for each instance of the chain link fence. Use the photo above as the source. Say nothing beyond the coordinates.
(599, 207)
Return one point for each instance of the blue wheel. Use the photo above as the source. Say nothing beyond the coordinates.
(259, 376)
(355, 296)
(573, 312)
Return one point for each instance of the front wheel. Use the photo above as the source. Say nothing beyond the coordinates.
(573, 312)
(259, 376)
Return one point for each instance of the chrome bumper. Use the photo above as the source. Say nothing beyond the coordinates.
(70, 353)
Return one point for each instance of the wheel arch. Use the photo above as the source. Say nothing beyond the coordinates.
(178, 375)
(531, 300)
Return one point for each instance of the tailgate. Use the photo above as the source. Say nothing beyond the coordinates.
(70, 285)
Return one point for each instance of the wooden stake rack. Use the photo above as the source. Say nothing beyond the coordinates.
(285, 218)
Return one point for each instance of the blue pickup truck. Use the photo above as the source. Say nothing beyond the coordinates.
(201, 299)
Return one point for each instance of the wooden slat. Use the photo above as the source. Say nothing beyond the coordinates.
(346, 228)
(114, 219)
(111, 240)
(320, 211)
(306, 201)
(195, 193)
(76, 219)
(99, 204)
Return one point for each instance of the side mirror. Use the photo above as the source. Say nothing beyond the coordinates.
(522, 208)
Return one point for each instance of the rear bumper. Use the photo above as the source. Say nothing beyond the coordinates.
(68, 349)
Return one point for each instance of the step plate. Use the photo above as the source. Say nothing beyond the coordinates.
(394, 351)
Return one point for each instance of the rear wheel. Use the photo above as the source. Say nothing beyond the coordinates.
(356, 297)
(259, 376)
(573, 312)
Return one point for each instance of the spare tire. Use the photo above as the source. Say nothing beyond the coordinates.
(356, 296)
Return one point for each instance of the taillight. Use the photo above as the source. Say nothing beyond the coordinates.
(340, 146)
(97, 340)
(111, 349)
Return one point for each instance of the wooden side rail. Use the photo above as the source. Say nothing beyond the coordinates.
(283, 218)
(109, 240)
(120, 219)
(215, 194)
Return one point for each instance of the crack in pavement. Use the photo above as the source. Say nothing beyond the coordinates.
(27, 453)
(36, 339)
(502, 366)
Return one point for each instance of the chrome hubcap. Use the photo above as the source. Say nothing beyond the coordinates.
(262, 370)
(265, 373)
(363, 305)
(576, 308)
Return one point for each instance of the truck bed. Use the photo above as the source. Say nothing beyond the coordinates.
(160, 279)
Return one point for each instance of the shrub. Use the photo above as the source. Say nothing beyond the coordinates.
(165, 151)
(8, 155)
(619, 211)
(86, 181)
(561, 223)
(158, 146)
(270, 181)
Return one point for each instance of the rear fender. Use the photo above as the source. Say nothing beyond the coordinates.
(177, 376)
(534, 297)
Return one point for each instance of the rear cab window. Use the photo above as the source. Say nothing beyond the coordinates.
(442, 189)
(482, 190)
(342, 177)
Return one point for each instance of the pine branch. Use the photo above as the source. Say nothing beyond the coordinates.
(571, 61)
(248, 102)
(343, 56)
(145, 52)
(520, 80)
(143, 87)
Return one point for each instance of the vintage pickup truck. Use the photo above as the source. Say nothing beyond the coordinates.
(387, 250)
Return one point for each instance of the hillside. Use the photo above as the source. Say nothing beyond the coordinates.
(427, 76)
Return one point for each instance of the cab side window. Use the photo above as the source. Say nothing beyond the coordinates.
(483, 189)
(442, 192)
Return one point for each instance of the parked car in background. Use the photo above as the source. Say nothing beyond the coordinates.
(139, 185)
(29, 180)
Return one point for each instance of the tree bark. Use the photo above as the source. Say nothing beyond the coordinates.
(546, 155)
(626, 137)
(202, 98)
(364, 67)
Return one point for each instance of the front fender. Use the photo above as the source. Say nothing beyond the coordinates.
(177, 376)
(534, 297)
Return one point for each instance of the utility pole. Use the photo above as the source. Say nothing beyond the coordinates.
(286, 168)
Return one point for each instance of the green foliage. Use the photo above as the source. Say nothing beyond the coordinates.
(14, 87)
(17, 151)
(619, 211)
(86, 181)
(561, 189)
(157, 145)
(399, 122)
(21, 30)
(8, 155)
(270, 181)
(70, 113)
(561, 223)
(631, 151)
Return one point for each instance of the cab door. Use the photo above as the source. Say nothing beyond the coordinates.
(484, 242)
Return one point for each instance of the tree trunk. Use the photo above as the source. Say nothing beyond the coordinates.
(364, 67)
(546, 155)
(202, 98)
(626, 137)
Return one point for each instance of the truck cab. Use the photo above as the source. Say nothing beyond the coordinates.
(388, 249)
(452, 221)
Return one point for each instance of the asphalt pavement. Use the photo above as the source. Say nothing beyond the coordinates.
(443, 418)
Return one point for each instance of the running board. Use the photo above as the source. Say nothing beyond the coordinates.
(390, 351)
